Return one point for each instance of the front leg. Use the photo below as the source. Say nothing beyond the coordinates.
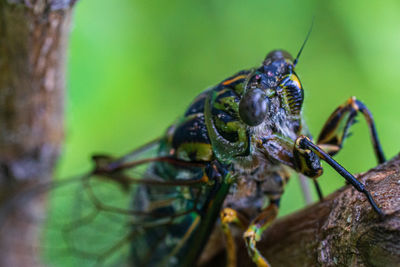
(230, 217)
(285, 151)
(304, 143)
(257, 227)
(336, 128)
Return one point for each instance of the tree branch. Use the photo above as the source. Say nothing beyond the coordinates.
(343, 230)
(33, 40)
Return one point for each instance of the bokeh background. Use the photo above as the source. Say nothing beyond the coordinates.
(134, 66)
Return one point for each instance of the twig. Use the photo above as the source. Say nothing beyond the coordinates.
(343, 230)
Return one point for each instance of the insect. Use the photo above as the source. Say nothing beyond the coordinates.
(226, 160)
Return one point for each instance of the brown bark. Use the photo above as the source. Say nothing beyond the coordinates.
(343, 230)
(33, 39)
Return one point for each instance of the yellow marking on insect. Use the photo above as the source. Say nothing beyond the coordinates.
(260, 262)
(230, 246)
(259, 143)
(205, 178)
(234, 79)
(252, 236)
(300, 139)
(229, 215)
(201, 151)
(250, 233)
(296, 80)
(353, 103)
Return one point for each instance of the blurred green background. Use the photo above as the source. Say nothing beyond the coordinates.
(134, 66)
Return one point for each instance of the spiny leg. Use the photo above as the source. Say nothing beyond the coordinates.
(305, 143)
(319, 190)
(255, 230)
(270, 188)
(335, 131)
(228, 217)
(336, 128)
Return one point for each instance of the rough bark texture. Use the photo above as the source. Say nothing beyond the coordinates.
(33, 38)
(343, 230)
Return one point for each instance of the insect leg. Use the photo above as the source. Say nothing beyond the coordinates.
(304, 143)
(255, 230)
(284, 150)
(230, 216)
(319, 190)
(336, 128)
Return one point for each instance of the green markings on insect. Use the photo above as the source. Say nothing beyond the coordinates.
(198, 151)
(224, 150)
(230, 154)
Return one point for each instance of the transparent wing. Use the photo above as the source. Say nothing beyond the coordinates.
(123, 211)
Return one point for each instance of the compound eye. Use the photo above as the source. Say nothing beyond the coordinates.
(293, 93)
(253, 107)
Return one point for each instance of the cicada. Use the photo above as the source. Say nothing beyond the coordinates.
(224, 163)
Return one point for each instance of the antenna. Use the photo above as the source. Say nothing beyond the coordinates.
(304, 43)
